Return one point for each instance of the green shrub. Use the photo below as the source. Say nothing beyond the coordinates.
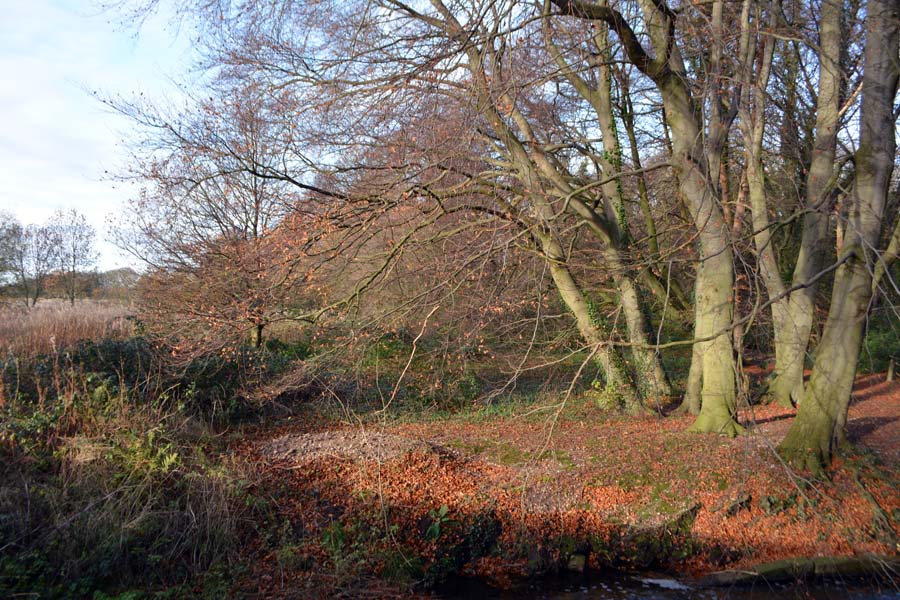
(880, 345)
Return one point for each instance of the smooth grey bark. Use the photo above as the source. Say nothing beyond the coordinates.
(715, 278)
(618, 384)
(752, 122)
(887, 258)
(536, 171)
(650, 375)
(818, 428)
(691, 403)
(794, 323)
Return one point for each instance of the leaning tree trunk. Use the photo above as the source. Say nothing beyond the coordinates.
(618, 382)
(818, 427)
(672, 290)
(793, 328)
(816, 430)
(752, 112)
(715, 278)
(646, 364)
(650, 376)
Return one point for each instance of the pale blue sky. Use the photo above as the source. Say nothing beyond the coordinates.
(56, 140)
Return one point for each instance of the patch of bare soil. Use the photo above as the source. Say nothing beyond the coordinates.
(356, 444)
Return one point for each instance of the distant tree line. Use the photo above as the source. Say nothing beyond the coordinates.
(56, 257)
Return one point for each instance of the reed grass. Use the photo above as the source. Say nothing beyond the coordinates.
(54, 325)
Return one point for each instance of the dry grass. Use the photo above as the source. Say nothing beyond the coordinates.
(126, 494)
(54, 325)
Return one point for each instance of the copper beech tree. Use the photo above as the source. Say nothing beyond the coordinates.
(218, 269)
(623, 151)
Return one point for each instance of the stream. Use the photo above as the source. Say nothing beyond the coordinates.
(649, 587)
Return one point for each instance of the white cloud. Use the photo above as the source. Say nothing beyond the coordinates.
(56, 140)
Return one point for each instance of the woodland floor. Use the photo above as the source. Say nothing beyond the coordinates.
(361, 506)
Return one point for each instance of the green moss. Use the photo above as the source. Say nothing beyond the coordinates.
(562, 457)
(630, 480)
(502, 452)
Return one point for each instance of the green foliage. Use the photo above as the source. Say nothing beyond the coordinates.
(474, 536)
(292, 350)
(881, 344)
(334, 539)
(365, 542)
(27, 433)
(606, 397)
(129, 360)
(595, 311)
(776, 504)
(630, 480)
(401, 566)
(289, 556)
(280, 356)
(105, 483)
(439, 519)
(388, 346)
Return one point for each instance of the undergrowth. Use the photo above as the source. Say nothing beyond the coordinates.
(113, 473)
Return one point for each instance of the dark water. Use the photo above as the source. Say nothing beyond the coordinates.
(650, 587)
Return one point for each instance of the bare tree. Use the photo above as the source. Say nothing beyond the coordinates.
(9, 232)
(697, 147)
(212, 233)
(399, 126)
(793, 303)
(76, 252)
(35, 251)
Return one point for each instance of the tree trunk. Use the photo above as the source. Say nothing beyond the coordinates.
(643, 195)
(690, 163)
(715, 277)
(752, 113)
(646, 364)
(648, 370)
(676, 294)
(691, 403)
(793, 328)
(649, 374)
(819, 424)
(815, 432)
(619, 386)
(718, 409)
